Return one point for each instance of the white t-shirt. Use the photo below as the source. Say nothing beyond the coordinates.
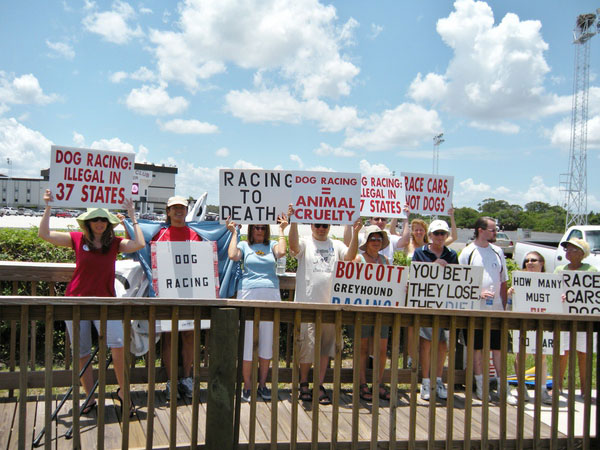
(316, 263)
(491, 258)
(388, 252)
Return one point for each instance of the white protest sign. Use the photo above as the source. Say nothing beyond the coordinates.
(254, 196)
(141, 180)
(382, 196)
(91, 178)
(368, 284)
(540, 293)
(185, 270)
(453, 286)
(326, 197)
(582, 292)
(428, 194)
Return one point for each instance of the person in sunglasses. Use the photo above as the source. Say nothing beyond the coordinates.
(96, 248)
(317, 257)
(259, 282)
(370, 253)
(436, 252)
(533, 262)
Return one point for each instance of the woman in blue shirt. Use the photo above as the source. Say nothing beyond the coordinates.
(259, 282)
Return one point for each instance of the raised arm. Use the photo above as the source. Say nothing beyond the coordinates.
(453, 233)
(234, 253)
(138, 241)
(347, 234)
(405, 238)
(54, 237)
(293, 236)
(280, 248)
(353, 247)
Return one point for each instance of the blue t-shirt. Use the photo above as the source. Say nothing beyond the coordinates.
(259, 265)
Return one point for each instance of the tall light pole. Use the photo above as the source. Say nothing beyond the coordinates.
(437, 140)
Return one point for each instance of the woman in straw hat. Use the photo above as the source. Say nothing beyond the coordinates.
(96, 248)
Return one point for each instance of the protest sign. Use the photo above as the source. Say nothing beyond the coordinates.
(326, 197)
(141, 181)
(91, 178)
(254, 196)
(453, 286)
(582, 292)
(185, 270)
(539, 293)
(428, 194)
(368, 284)
(382, 197)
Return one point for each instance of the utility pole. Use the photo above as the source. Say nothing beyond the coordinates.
(437, 140)
(574, 183)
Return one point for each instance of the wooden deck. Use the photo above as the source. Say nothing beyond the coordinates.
(138, 425)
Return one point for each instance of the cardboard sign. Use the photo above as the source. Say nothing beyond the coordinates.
(185, 270)
(326, 197)
(254, 196)
(382, 197)
(141, 181)
(368, 284)
(582, 292)
(428, 194)
(82, 177)
(453, 286)
(539, 293)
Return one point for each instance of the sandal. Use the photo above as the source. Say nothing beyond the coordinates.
(305, 393)
(323, 396)
(131, 407)
(384, 392)
(89, 408)
(365, 393)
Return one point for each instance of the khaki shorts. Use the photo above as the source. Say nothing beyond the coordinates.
(306, 341)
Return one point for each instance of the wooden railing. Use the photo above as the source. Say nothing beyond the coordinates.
(222, 428)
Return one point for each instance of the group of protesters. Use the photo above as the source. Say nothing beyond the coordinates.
(96, 247)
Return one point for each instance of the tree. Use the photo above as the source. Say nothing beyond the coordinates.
(465, 217)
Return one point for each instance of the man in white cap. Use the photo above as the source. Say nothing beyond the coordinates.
(435, 251)
(178, 231)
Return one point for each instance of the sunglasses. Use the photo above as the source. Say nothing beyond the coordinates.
(531, 260)
(322, 225)
(440, 233)
(259, 227)
(101, 219)
(376, 239)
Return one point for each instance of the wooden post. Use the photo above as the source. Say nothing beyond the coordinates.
(222, 378)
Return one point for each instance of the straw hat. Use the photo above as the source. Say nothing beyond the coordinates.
(580, 244)
(372, 229)
(93, 213)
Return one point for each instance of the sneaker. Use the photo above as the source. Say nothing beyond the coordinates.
(479, 387)
(246, 395)
(546, 397)
(527, 397)
(425, 387)
(264, 392)
(441, 391)
(168, 390)
(186, 387)
(511, 400)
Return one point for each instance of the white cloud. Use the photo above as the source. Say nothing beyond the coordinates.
(142, 154)
(28, 150)
(142, 74)
(375, 31)
(181, 126)
(25, 89)
(116, 145)
(78, 139)
(223, 152)
(299, 40)
(560, 135)
(366, 168)
(154, 101)
(328, 150)
(113, 25)
(298, 160)
(405, 126)
(61, 49)
(497, 70)
(279, 105)
(501, 126)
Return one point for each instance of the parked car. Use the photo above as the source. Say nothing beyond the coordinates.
(25, 212)
(9, 211)
(504, 242)
(555, 256)
(63, 214)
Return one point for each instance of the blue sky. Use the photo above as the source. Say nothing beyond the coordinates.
(349, 86)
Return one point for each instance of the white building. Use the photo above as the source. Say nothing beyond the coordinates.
(28, 192)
